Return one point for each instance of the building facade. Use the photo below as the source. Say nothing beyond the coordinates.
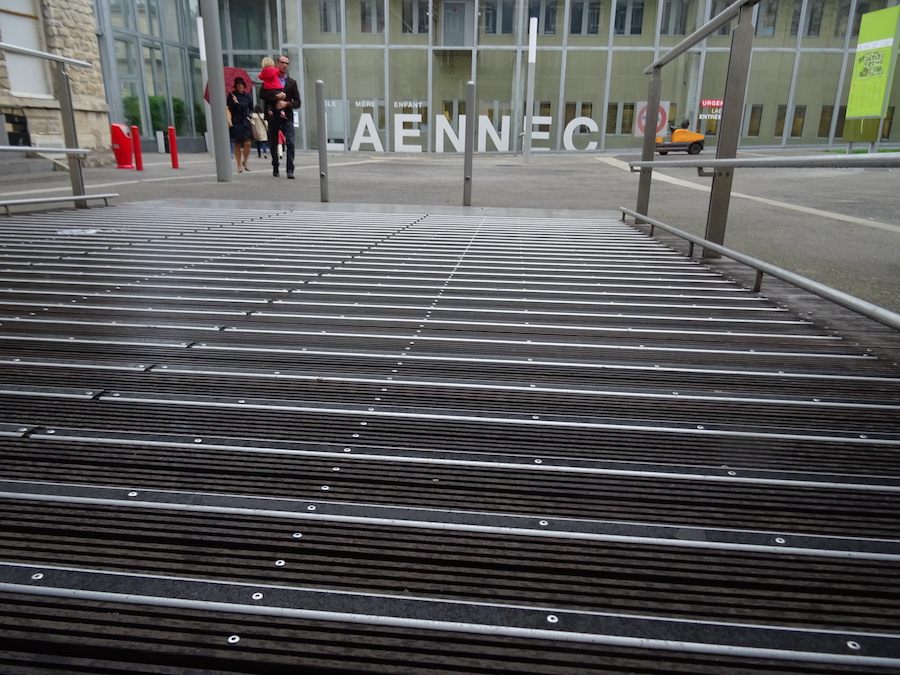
(395, 71)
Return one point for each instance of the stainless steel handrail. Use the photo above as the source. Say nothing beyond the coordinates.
(43, 55)
(881, 160)
(66, 109)
(700, 34)
(880, 314)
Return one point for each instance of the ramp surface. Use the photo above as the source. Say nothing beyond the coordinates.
(262, 440)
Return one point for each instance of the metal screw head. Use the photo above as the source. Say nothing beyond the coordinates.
(780, 540)
(257, 596)
(132, 494)
(234, 639)
(552, 618)
(279, 563)
(853, 644)
(37, 576)
(311, 507)
(544, 522)
(298, 535)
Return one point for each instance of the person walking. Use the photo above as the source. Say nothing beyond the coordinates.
(277, 101)
(241, 107)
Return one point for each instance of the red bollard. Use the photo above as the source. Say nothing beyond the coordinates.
(173, 147)
(136, 141)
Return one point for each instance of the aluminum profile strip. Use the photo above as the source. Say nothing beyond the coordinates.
(543, 463)
(736, 294)
(773, 542)
(323, 294)
(106, 323)
(518, 374)
(433, 322)
(535, 622)
(118, 307)
(522, 420)
(61, 362)
(459, 388)
(759, 358)
(543, 313)
(156, 283)
(710, 283)
(150, 342)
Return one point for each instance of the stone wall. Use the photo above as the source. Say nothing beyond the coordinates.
(69, 30)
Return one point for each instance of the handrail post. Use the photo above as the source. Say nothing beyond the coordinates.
(649, 147)
(729, 136)
(471, 120)
(67, 111)
(322, 131)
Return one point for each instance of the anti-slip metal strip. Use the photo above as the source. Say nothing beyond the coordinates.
(96, 341)
(504, 418)
(106, 364)
(532, 313)
(464, 521)
(534, 363)
(133, 296)
(486, 460)
(116, 324)
(119, 307)
(732, 639)
(509, 300)
(757, 353)
(505, 386)
(738, 294)
(532, 325)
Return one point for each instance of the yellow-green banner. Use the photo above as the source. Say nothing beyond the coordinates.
(873, 66)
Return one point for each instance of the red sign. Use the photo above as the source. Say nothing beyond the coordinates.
(712, 103)
(641, 120)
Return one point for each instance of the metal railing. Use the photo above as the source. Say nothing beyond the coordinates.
(732, 110)
(885, 160)
(880, 314)
(67, 111)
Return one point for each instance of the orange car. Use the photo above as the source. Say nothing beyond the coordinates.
(681, 140)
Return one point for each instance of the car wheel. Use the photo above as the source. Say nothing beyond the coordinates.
(694, 149)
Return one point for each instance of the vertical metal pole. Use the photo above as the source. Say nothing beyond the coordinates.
(209, 9)
(322, 132)
(648, 149)
(732, 112)
(67, 110)
(529, 91)
(471, 118)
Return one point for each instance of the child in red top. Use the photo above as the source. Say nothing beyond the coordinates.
(271, 79)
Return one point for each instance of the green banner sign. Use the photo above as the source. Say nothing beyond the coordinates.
(873, 66)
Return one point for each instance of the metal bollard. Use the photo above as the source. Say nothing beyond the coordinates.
(471, 120)
(322, 131)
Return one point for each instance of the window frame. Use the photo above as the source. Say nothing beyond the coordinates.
(625, 10)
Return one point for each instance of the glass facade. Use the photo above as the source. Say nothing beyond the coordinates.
(395, 71)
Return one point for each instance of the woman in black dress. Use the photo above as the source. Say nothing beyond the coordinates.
(241, 106)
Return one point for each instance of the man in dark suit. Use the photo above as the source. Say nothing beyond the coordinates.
(278, 102)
